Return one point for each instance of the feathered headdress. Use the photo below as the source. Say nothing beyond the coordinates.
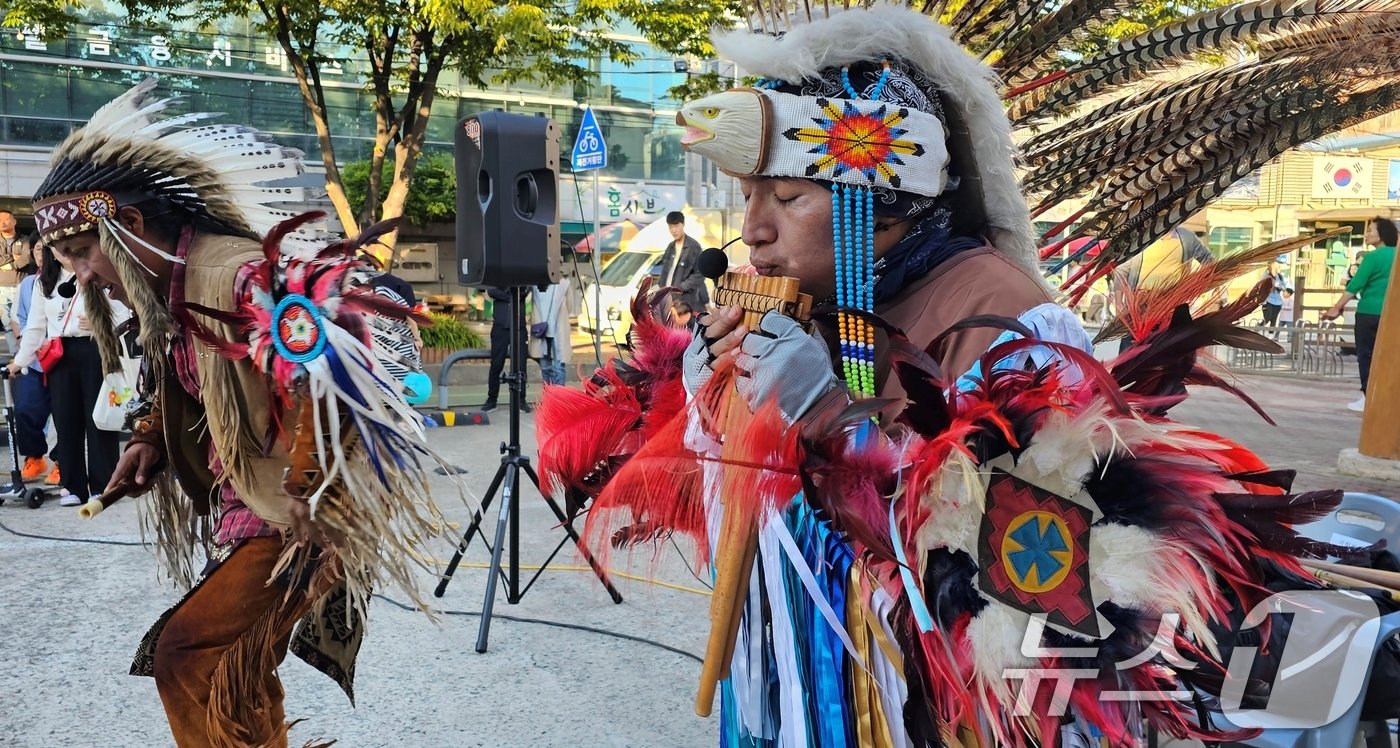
(1143, 132)
(214, 176)
(884, 101)
(889, 111)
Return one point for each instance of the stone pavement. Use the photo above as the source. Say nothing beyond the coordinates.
(72, 612)
(1313, 426)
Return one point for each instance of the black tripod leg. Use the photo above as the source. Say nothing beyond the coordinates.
(512, 479)
(467, 536)
(568, 524)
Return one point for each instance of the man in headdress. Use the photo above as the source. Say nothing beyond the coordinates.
(237, 343)
(922, 505)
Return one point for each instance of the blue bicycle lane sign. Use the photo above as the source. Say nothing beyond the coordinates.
(590, 151)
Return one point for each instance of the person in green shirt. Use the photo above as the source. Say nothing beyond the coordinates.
(1368, 285)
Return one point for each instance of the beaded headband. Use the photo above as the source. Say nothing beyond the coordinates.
(859, 143)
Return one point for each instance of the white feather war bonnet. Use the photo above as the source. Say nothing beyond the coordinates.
(880, 99)
(209, 176)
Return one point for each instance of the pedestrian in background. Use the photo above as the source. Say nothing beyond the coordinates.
(31, 393)
(1274, 304)
(16, 261)
(399, 341)
(550, 331)
(1369, 285)
(87, 455)
(502, 329)
(680, 264)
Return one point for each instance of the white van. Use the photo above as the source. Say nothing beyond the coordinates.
(620, 278)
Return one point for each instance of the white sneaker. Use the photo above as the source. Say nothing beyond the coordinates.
(1358, 406)
(68, 499)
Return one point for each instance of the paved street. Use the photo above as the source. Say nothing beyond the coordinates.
(74, 611)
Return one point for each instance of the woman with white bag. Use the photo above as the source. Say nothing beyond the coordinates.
(58, 335)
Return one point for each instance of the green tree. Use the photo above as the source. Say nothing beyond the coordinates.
(433, 198)
(410, 44)
(1139, 17)
(682, 28)
(53, 16)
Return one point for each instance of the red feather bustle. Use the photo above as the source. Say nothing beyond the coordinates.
(1211, 514)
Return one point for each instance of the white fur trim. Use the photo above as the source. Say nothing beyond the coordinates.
(995, 637)
(852, 36)
(955, 507)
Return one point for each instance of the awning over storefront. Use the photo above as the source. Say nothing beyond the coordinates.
(1347, 215)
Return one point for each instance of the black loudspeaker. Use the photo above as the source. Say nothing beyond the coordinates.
(507, 200)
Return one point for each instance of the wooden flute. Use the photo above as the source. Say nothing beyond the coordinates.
(737, 545)
(98, 505)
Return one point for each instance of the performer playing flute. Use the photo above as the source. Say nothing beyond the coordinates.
(268, 432)
(943, 490)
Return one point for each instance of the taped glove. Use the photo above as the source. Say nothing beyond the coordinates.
(695, 365)
(782, 360)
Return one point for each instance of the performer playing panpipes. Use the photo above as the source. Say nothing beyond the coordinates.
(1020, 508)
(269, 431)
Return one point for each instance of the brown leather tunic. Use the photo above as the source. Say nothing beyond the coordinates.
(232, 410)
(982, 281)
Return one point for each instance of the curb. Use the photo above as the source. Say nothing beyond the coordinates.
(1352, 462)
(451, 418)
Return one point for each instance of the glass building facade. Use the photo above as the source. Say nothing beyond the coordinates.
(48, 88)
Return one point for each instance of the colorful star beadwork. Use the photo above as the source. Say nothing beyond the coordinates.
(848, 139)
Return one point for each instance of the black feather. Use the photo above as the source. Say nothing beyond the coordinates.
(948, 582)
(1272, 478)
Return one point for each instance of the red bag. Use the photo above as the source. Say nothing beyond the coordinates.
(51, 350)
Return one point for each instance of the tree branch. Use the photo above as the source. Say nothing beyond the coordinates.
(313, 95)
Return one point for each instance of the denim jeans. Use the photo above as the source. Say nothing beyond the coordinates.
(552, 370)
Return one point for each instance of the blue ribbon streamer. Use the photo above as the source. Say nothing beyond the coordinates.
(916, 599)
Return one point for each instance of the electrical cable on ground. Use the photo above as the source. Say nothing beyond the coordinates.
(94, 541)
(464, 613)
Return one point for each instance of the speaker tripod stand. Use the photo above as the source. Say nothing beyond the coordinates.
(507, 481)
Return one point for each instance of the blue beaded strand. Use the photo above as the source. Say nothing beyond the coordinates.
(857, 242)
(837, 249)
(847, 241)
(880, 85)
(868, 286)
(842, 256)
(870, 251)
(846, 83)
(874, 93)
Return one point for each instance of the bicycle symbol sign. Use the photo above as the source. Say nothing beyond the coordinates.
(590, 150)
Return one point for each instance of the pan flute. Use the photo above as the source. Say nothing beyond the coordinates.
(737, 544)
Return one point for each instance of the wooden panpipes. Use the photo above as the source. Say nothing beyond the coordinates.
(758, 294)
(737, 544)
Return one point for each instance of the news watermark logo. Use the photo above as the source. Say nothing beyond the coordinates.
(1330, 642)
